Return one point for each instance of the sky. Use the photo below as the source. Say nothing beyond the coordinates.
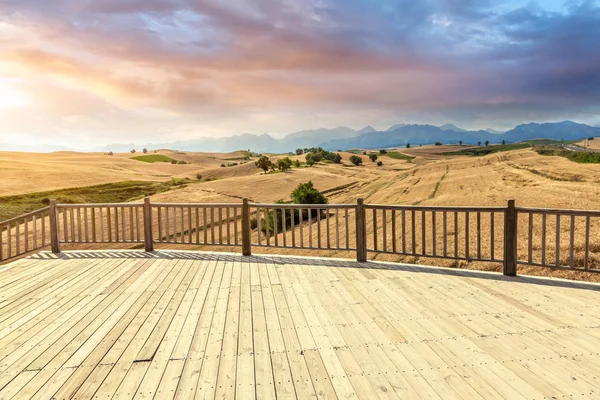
(84, 73)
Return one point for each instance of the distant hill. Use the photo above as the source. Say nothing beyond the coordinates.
(347, 138)
(495, 132)
(450, 127)
(34, 148)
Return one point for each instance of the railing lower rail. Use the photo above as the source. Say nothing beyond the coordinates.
(509, 235)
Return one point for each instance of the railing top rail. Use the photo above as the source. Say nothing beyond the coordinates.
(92, 205)
(311, 206)
(434, 208)
(592, 213)
(20, 217)
(208, 205)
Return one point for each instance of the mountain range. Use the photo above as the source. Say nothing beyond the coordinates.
(344, 138)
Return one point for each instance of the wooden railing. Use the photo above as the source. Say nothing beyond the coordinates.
(508, 235)
(24, 234)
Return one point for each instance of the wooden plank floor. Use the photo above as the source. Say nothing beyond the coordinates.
(128, 324)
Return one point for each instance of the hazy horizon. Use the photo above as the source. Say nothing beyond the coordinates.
(85, 74)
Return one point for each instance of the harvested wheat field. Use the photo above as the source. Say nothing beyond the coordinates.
(429, 179)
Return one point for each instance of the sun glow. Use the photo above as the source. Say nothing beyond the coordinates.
(11, 97)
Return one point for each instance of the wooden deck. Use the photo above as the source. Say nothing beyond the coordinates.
(127, 324)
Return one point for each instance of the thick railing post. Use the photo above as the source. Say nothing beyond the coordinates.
(510, 239)
(54, 241)
(361, 236)
(148, 236)
(246, 239)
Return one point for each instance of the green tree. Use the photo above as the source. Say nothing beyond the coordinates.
(299, 152)
(408, 145)
(145, 151)
(478, 143)
(310, 161)
(383, 151)
(284, 164)
(306, 193)
(438, 143)
(503, 141)
(373, 157)
(379, 163)
(263, 163)
(297, 164)
(487, 142)
(356, 160)
(337, 158)
(460, 142)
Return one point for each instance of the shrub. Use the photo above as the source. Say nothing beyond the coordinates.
(438, 143)
(373, 157)
(408, 145)
(310, 161)
(299, 152)
(284, 164)
(222, 165)
(383, 151)
(199, 176)
(173, 161)
(379, 163)
(337, 158)
(181, 162)
(132, 151)
(145, 151)
(110, 153)
(297, 164)
(591, 138)
(356, 160)
(306, 193)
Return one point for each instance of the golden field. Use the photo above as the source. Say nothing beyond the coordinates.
(431, 178)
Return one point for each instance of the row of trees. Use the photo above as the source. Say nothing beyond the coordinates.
(282, 164)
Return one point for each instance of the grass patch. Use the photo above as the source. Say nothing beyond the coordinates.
(396, 155)
(153, 158)
(438, 183)
(483, 151)
(354, 151)
(117, 192)
(583, 157)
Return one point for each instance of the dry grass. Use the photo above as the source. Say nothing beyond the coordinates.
(532, 180)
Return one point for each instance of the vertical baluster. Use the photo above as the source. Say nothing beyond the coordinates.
(167, 226)
(467, 235)
(492, 234)
(384, 224)
(212, 225)
(235, 225)
(445, 232)
(8, 241)
(455, 234)
(530, 239)
(35, 238)
(394, 231)
(309, 227)
(319, 228)
(1, 242)
(413, 231)
(478, 235)
(220, 225)
(259, 225)
(174, 224)
(117, 236)
(204, 219)
(433, 235)
(72, 224)
(293, 217)
(160, 223)
(337, 228)
(131, 225)
(557, 260)
(267, 228)
(190, 230)
(43, 231)
(587, 242)
(423, 235)
(18, 237)
(347, 228)
(182, 225)
(301, 216)
(26, 235)
(375, 229)
(109, 227)
(403, 231)
(327, 229)
(197, 214)
(79, 224)
(572, 243)
(275, 227)
(93, 220)
(85, 225)
(544, 239)
(65, 225)
(228, 228)
(101, 220)
(283, 230)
